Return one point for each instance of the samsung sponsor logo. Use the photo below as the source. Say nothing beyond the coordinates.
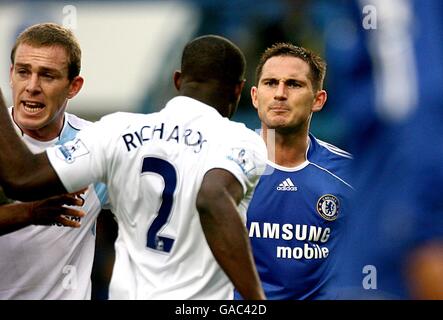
(289, 231)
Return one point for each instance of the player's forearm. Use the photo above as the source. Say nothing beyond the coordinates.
(14, 216)
(23, 175)
(227, 237)
(13, 152)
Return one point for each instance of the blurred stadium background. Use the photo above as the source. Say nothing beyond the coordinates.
(131, 48)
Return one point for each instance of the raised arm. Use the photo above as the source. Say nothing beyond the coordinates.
(23, 175)
(225, 232)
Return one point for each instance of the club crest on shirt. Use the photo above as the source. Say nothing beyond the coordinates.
(71, 150)
(328, 206)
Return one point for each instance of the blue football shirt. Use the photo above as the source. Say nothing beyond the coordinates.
(295, 220)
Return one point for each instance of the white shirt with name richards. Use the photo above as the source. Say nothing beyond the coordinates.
(153, 165)
(52, 262)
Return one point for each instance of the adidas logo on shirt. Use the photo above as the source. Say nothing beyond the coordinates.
(287, 185)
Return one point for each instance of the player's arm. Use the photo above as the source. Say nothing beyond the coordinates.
(15, 216)
(425, 271)
(217, 201)
(23, 175)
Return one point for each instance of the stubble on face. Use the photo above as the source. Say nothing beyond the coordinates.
(284, 95)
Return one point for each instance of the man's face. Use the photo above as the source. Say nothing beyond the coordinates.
(284, 97)
(41, 89)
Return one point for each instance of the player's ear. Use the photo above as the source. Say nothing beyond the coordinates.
(254, 96)
(319, 100)
(75, 86)
(177, 79)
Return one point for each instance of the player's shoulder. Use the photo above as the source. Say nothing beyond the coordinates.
(331, 159)
(240, 130)
(119, 116)
(246, 145)
(118, 121)
(107, 127)
(241, 134)
(76, 122)
(322, 150)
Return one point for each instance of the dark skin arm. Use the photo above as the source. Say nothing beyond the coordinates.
(217, 201)
(15, 216)
(23, 175)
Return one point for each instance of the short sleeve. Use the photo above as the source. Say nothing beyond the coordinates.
(245, 157)
(78, 162)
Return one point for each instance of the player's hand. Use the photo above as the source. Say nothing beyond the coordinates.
(48, 211)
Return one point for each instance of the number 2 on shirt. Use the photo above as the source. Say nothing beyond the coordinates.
(167, 171)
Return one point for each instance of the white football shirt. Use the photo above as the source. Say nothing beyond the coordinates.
(153, 165)
(52, 262)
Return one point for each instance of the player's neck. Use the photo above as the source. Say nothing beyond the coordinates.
(208, 94)
(46, 133)
(287, 150)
